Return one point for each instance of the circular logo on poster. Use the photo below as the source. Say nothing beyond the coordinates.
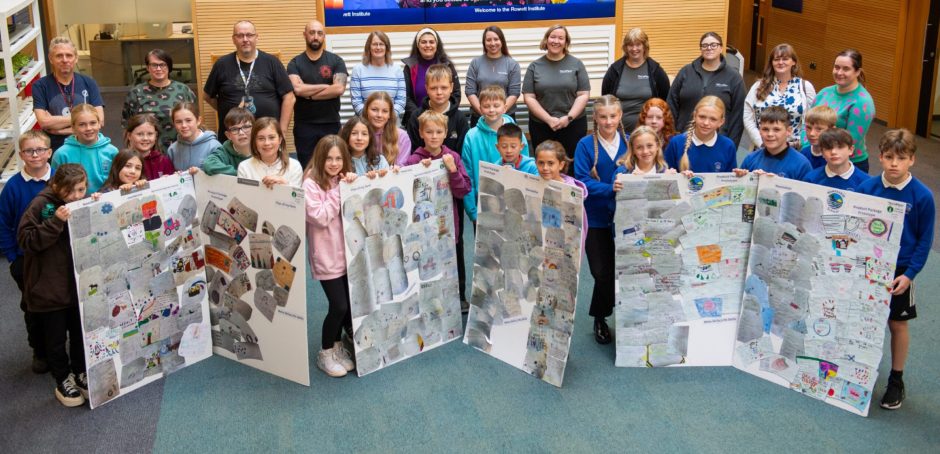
(835, 200)
(877, 227)
(696, 183)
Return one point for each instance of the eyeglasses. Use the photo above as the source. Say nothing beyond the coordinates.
(158, 65)
(34, 151)
(706, 46)
(240, 129)
(245, 35)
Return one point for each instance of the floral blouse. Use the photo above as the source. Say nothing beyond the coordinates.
(797, 98)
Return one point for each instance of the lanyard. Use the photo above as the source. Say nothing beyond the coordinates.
(71, 98)
(250, 69)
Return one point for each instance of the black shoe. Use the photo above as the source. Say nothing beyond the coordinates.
(601, 331)
(68, 394)
(39, 365)
(894, 395)
(81, 381)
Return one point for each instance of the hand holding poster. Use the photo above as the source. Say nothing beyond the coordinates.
(816, 299)
(141, 285)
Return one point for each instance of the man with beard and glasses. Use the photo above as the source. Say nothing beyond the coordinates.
(251, 79)
(319, 79)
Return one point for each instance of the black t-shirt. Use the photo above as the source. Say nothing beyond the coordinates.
(267, 85)
(315, 72)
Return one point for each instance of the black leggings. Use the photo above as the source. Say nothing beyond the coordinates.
(599, 247)
(337, 295)
(461, 265)
(33, 330)
(56, 326)
(569, 136)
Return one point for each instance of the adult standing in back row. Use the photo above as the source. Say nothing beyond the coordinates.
(709, 75)
(56, 93)
(635, 78)
(249, 78)
(494, 67)
(319, 79)
(556, 89)
(426, 50)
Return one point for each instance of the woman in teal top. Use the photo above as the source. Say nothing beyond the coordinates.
(851, 101)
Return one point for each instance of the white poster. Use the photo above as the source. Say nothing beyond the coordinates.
(813, 316)
(142, 288)
(401, 263)
(682, 246)
(255, 249)
(525, 270)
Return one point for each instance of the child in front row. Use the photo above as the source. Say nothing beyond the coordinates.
(225, 159)
(269, 162)
(817, 120)
(837, 146)
(701, 149)
(326, 247)
(509, 146)
(776, 156)
(126, 173)
(49, 280)
(192, 143)
(896, 182)
(433, 130)
(644, 155)
(551, 161)
(87, 147)
(20, 190)
(595, 160)
(359, 138)
(141, 136)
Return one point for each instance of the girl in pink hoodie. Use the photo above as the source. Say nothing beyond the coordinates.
(331, 162)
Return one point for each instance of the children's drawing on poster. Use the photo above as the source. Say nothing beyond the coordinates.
(140, 272)
(682, 246)
(401, 264)
(815, 306)
(525, 271)
(256, 281)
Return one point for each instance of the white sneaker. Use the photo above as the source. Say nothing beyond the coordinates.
(327, 363)
(343, 357)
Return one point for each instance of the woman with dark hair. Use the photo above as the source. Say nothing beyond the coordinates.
(494, 67)
(635, 78)
(377, 73)
(853, 104)
(709, 75)
(426, 50)
(556, 89)
(157, 96)
(782, 84)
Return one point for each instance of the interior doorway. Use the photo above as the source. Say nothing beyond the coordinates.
(928, 109)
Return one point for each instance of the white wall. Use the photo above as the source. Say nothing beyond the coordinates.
(69, 12)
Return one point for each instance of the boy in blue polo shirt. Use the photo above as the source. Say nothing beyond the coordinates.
(818, 120)
(19, 191)
(837, 146)
(777, 156)
(896, 183)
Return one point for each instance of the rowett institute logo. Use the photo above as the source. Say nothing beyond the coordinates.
(835, 200)
(696, 183)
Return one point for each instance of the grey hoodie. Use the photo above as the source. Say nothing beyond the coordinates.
(191, 154)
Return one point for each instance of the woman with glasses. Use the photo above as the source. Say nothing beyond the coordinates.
(782, 84)
(709, 75)
(377, 73)
(157, 96)
(635, 78)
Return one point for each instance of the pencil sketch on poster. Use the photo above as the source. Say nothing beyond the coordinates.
(401, 263)
(525, 272)
(815, 306)
(255, 256)
(140, 273)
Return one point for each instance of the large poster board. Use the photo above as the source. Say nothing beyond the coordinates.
(401, 263)
(398, 12)
(815, 306)
(139, 268)
(525, 271)
(682, 246)
(255, 250)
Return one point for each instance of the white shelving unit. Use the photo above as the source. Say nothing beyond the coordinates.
(16, 110)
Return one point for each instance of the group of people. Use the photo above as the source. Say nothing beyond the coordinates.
(409, 114)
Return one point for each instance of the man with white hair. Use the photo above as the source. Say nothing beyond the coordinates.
(56, 93)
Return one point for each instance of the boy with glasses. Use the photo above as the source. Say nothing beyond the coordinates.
(225, 159)
(19, 191)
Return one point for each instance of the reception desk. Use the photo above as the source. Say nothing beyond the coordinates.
(120, 62)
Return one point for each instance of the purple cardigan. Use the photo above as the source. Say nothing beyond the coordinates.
(459, 181)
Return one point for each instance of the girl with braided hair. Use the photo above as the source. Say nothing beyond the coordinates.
(701, 148)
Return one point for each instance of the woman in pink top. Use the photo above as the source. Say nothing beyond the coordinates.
(326, 247)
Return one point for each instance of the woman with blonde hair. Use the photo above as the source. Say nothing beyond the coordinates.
(377, 72)
(635, 77)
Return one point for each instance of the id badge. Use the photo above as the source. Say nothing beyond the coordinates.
(248, 103)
